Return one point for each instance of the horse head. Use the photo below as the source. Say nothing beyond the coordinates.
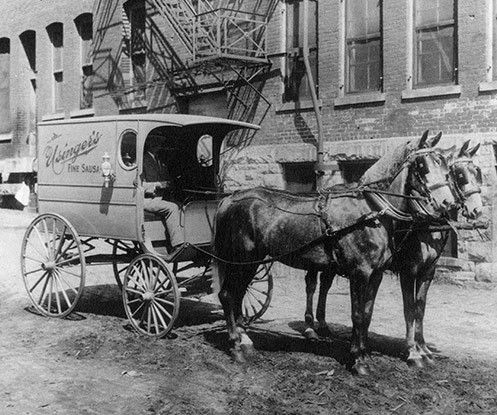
(466, 180)
(428, 177)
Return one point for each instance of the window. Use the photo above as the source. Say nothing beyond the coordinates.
(435, 52)
(299, 177)
(5, 121)
(127, 152)
(84, 24)
(296, 82)
(363, 57)
(28, 41)
(56, 35)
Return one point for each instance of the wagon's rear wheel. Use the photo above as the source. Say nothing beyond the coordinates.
(130, 249)
(258, 295)
(53, 265)
(150, 295)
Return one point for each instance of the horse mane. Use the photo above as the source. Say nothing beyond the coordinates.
(385, 169)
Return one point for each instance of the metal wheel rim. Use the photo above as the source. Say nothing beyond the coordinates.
(120, 268)
(53, 265)
(151, 296)
(258, 294)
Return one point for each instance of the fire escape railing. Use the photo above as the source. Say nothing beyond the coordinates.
(232, 34)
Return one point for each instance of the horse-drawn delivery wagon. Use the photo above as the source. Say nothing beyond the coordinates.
(90, 194)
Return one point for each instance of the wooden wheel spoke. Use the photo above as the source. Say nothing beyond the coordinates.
(43, 290)
(33, 271)
(42, 242)
(154, 313)
(133, 291)
(137, 282)
(164, 311)
(43, 276)
(66, 271)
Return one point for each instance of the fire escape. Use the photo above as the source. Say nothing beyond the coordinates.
(225, 41)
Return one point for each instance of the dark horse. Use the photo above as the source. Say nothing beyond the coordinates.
(418, 251)
(348, 233)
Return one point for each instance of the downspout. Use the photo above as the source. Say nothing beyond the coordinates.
(312, 87)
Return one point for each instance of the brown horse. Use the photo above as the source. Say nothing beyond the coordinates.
(349, 232)
(415, 260)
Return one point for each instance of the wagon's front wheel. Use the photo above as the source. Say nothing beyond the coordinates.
(53, 265)
(150, 295)
(258, 295)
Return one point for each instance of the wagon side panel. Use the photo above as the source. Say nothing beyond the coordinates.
(70, 180)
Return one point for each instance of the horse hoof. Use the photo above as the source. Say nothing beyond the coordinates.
(415, 362)
(247, 349)
(310, 334)
(361, 369)
(238, 356)
(428, 359)
(324, 332)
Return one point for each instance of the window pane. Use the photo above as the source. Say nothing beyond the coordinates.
(435, 56)
(429, 12)
(363, 17)
(363, 43)
(295, 82)
(59, 82)
(364, 66)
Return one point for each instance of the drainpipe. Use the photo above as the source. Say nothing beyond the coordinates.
(320, 148)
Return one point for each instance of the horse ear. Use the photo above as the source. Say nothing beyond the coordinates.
(464, 149)
(434, 141)
(472, 151)
(424, 137)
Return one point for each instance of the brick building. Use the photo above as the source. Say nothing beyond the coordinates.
(43, 48)
(384, 72)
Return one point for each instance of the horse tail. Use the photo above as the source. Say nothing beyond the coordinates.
(219, 249)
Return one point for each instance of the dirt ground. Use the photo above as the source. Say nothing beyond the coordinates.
(93, 363)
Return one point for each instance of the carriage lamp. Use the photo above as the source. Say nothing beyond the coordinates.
(106, 169)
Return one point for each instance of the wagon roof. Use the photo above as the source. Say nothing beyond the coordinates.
(175, 120)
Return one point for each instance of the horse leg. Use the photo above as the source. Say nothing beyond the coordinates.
(363, 290)
(325, 282)
(311, 279)
(407, 283)
(421, 295)
(247, 274)
(231, 301)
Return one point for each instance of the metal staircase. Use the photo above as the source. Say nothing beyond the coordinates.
(225, 41)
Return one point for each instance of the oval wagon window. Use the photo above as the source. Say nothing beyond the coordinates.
(127, 150)
(204, 150)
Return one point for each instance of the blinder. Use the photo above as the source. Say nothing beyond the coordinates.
(422, 165)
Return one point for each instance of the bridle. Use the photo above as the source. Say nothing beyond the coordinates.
(418, 162)
(458, 169)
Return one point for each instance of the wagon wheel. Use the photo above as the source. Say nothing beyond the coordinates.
(258, 295)
(150, 295)
(128, 248)
(53, 265)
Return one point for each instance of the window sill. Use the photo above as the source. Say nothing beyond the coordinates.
(430, 92)
(360, 98)
(297, 106)
(89, 112)
(53, 117)
(487, 86)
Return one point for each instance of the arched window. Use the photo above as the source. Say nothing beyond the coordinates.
(84, 25)
(5, 121)
(28, 41)
(56, 34)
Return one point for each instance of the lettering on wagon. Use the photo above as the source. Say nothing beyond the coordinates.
(56, 156)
